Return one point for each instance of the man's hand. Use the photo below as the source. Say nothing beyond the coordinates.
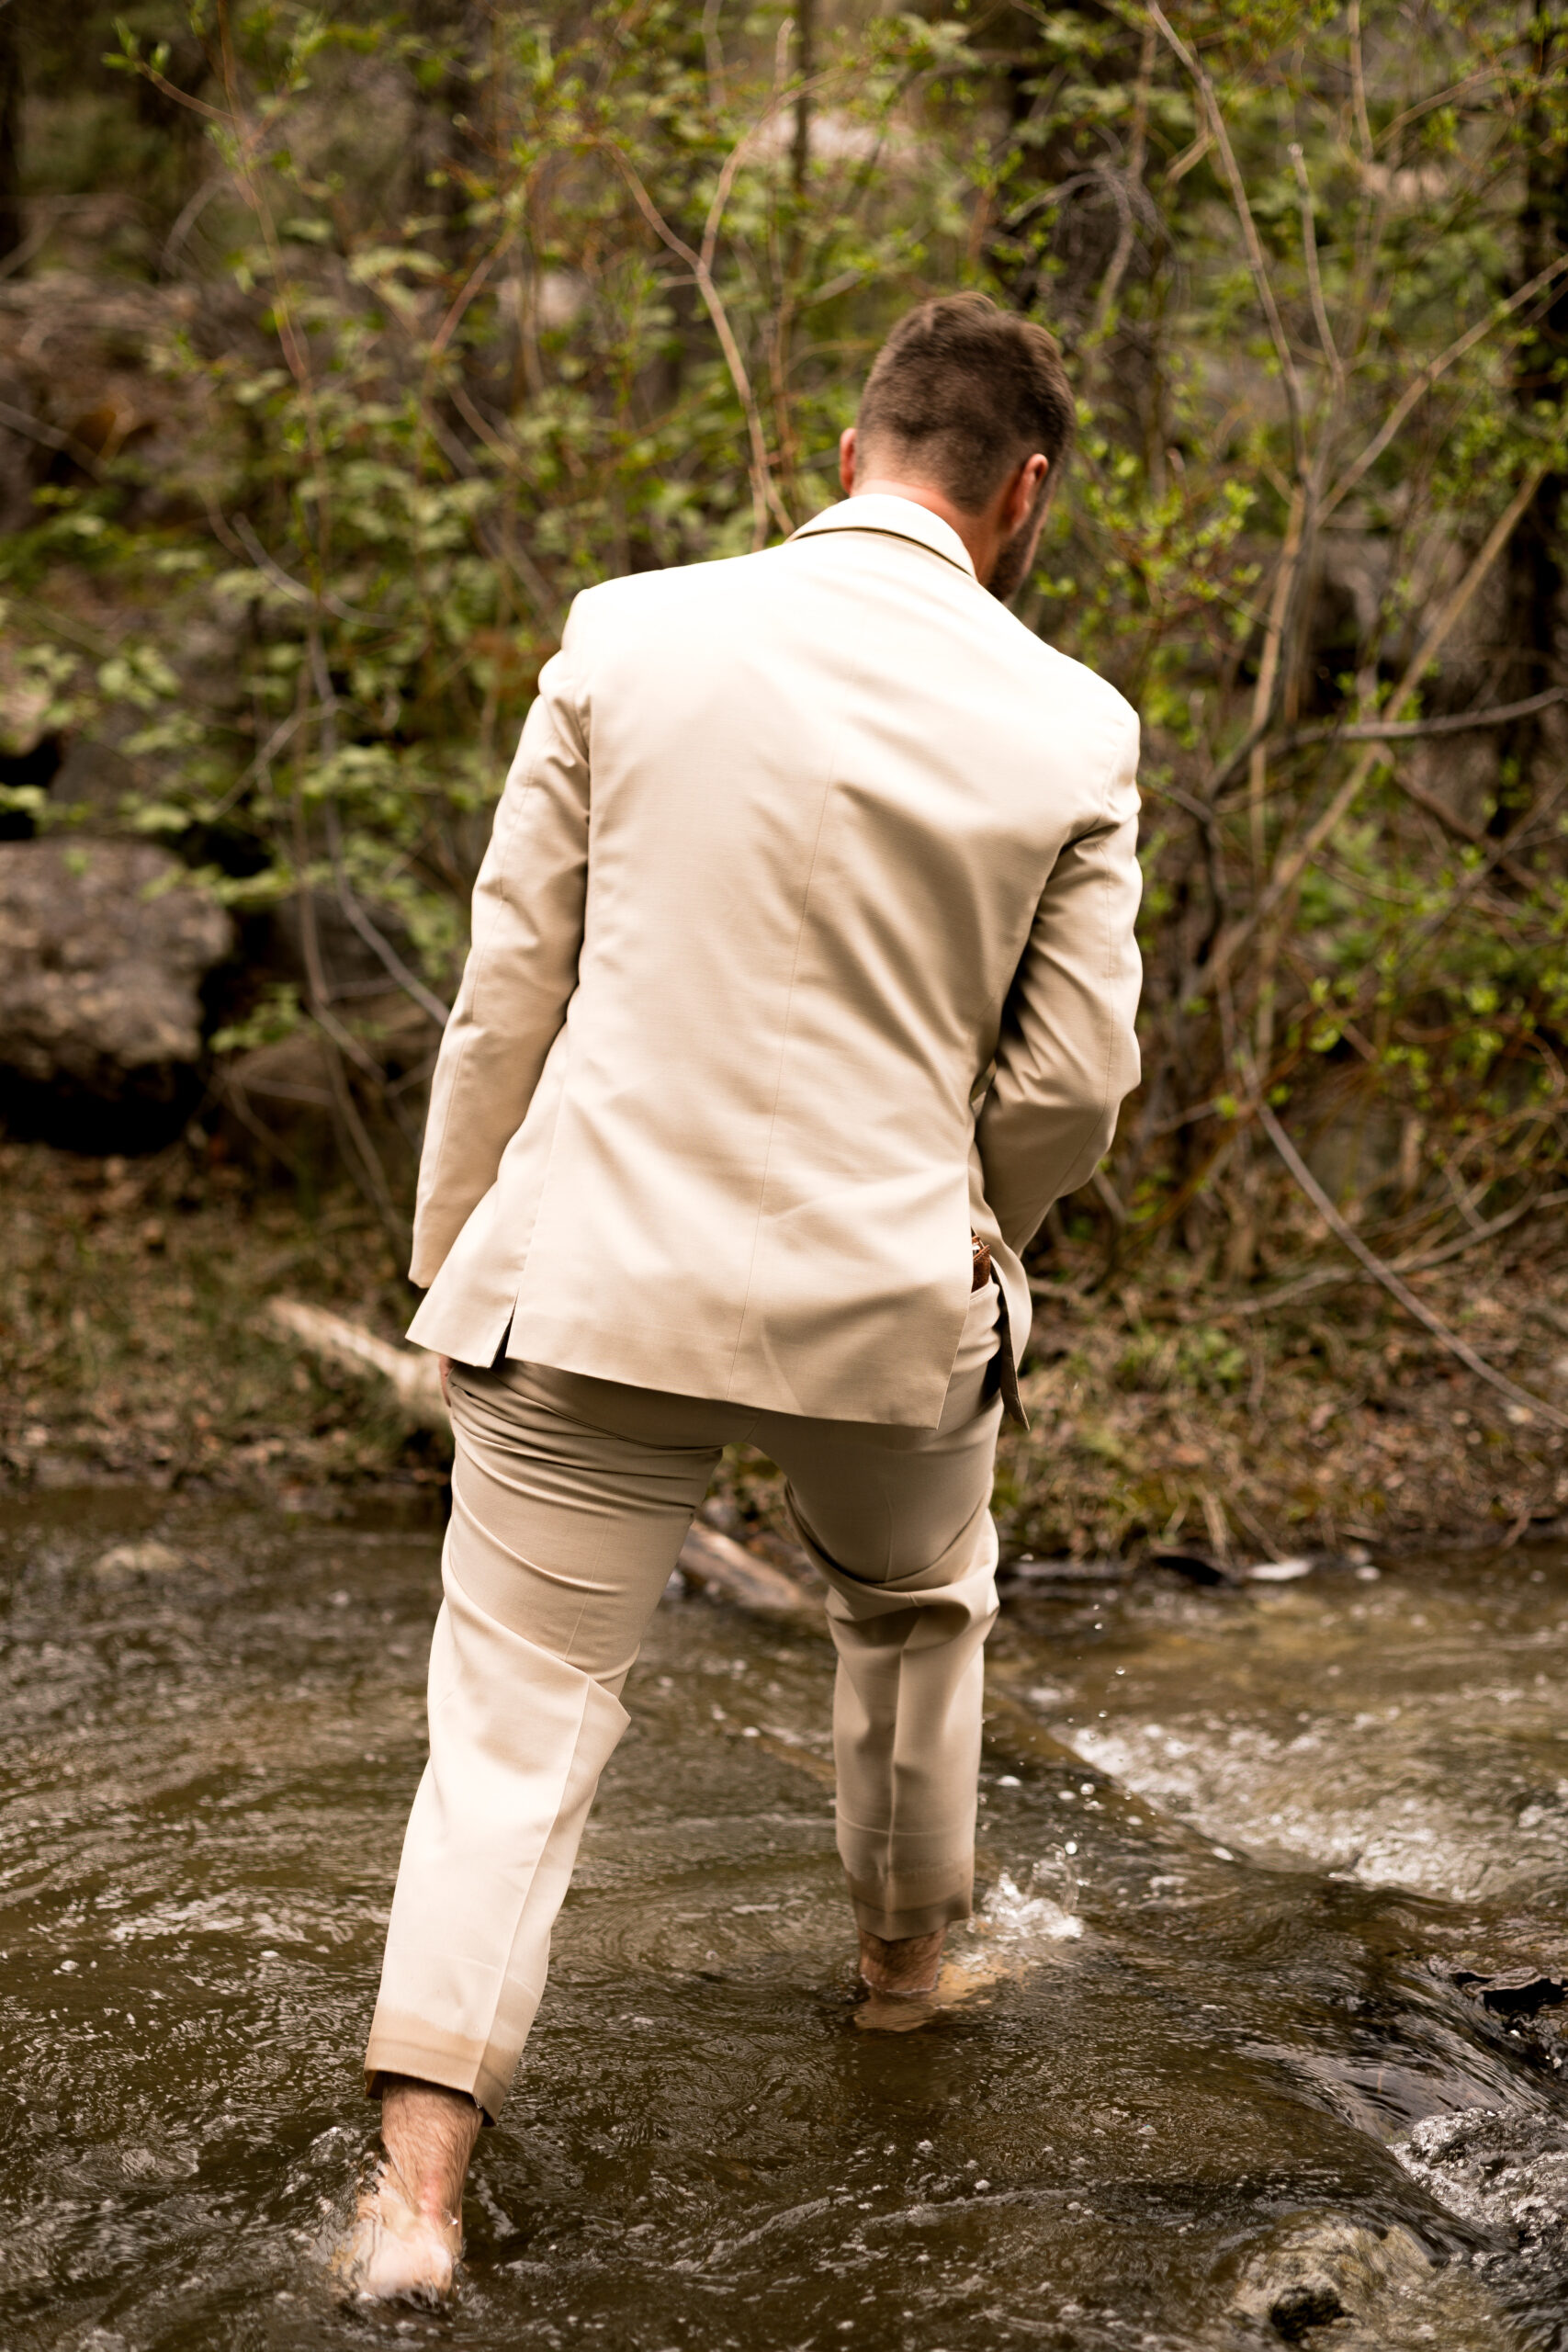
(444, 1364)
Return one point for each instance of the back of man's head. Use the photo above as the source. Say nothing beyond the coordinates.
(960, 394)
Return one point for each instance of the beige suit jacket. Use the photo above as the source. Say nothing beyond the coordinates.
(794, 849)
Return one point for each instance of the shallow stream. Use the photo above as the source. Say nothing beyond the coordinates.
(1262, 2045)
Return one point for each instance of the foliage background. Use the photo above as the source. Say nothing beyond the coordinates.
(370, 335)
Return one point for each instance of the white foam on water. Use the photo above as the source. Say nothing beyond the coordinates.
(1043, 1915)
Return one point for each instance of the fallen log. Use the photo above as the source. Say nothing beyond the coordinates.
(413, 1372)
(715, 1564)
(722, 1568)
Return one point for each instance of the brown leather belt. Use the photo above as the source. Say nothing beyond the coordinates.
(1002, 1372)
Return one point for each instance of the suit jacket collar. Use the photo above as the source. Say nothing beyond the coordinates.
(881, 511)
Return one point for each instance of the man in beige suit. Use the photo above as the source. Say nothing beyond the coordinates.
(802, 982)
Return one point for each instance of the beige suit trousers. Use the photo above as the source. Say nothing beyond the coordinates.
(570, 1499)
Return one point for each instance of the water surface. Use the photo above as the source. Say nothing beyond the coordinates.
(1264, 2044)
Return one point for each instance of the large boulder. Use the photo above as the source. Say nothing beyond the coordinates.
(103, 947)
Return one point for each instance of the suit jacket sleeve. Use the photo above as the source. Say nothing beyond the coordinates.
(1068, 1051)
(522, 966)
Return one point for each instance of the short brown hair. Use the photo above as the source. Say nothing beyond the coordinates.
(968, 390)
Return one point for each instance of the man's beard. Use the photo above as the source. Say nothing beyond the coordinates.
(1016, 560)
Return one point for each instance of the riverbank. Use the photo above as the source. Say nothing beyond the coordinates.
(135, 1348)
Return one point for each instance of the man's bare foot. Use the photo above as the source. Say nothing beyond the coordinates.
(900, 1975)
(408, 2235)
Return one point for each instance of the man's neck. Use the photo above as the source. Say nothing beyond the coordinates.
(979, 536)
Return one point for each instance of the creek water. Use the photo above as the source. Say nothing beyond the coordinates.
(1263, 2035)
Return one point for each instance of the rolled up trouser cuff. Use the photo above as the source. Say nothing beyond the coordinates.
(874, 1918)
(424, 2056)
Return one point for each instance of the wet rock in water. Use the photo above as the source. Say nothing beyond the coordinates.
(1512, 1992)
(103, 947)
(1196, 1567)
(1506, 2172)
(149, 1559)
(1301, 2309)
(1313, 1564)
(1356, 2284)
(1280, 1571)
(1026, 1574)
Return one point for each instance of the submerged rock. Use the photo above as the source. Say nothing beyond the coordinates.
(1326, 2279)
(149, 1559)
(103, 948)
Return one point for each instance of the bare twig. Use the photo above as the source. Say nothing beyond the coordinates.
(49, 436)
(1454, 823)
(281, 734)
(1137, 151)
(190, 214)
(1315, 276)
(1358, 83)
(1255, 261)
(271, 569)
(766, 499)
(375, 939)
(1420, 1262)
(515, 558)
(1399, 731)
(1478, 875)
(1422, 384)
(1290, 869)
(1390, 1282)
(1268, 668)
(713, 50)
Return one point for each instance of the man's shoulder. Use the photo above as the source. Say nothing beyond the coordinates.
(632, 594)
(1044, 668)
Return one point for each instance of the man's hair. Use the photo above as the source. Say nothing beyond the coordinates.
(964, 392)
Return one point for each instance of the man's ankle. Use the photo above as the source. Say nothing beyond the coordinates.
(900, 1964)
(428, 2131)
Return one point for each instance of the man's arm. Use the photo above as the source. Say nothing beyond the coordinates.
(1068, 1052)
(522, 965)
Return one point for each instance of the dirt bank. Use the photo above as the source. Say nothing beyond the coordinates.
(132, 1348)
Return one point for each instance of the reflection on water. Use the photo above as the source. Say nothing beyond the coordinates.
(1262, 2014)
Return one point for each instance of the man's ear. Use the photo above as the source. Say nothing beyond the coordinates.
(1027, 484)
(847, 459)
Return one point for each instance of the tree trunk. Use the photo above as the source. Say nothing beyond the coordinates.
(12, 227)
(1532, 646)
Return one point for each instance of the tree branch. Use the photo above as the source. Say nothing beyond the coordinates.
(1255, 260)
(1402, 730)
(1290, 869)
(1420, 1262)
(764, 496)
(1390, 1282)
(1429, 376)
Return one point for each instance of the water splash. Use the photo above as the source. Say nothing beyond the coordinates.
(1045, 1914)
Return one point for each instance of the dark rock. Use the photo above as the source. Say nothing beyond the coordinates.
(1512, 1992)
(103, 948)
(92, 775)
(1198, 1567)
(1301, 2309)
